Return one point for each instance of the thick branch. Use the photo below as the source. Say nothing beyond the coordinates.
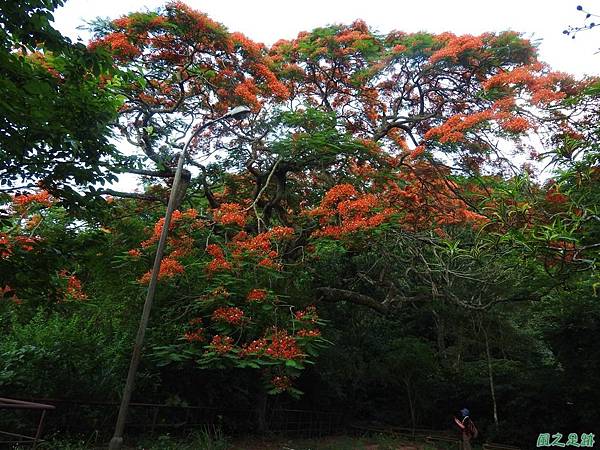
(150, 198)
(338, 295)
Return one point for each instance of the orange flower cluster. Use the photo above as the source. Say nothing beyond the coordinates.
(230, 214)
(231, 315)
(8, 244)
(244, 243)
(126, 22)
(268, 263)
(119, 43)
(519, 75)
(123, 22)
(426, 200)
(281, 382)
(26, 242)
(338, 193)
(364, 170)
(417, 151)
(361, 205)
(260, 246)
(6, 247)
(247, 91)
(455, 46)
(454, 128)
(176, 218)
(254, 49)
(219, 262)
(195, 335)
(134, 253)
(200, 21)
(42, 198)
(516, 125)
(255, 347)
(283, 346)
(222, 344)
(309, 333)
(280, 233)
(169, 268)
(343, 211)
(257, 295)
(181, 245)
(309, 314)
(74, 290)
(544, 88)
(274, 85)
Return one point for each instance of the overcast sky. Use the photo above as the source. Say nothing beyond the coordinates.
(269, 20)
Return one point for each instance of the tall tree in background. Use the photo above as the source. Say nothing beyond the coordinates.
(185, 69)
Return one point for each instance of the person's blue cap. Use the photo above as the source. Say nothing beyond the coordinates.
(464, 412)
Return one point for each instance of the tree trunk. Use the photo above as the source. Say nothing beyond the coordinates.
(261, 410)
(186, 177)
(410, 404)
(440, 333)
(491, 375)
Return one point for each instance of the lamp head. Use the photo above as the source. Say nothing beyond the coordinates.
(239, 112)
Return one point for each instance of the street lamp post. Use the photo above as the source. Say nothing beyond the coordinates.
(117, 440)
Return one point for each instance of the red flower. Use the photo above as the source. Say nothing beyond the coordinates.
(309, 314)
(255, 347)
(169, 268)
(134, 253)
(231, 315)
(257, 295)
(516, 125)
(195, 336)
(222, 344)
(309, 333)
(553, 196)
(74, 290)
(43, 198)
(230, 214)
(283, 347)
(281, 382)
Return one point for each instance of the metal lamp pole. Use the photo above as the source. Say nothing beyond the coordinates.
(117, 440)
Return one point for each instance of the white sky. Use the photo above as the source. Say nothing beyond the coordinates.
(269, 20)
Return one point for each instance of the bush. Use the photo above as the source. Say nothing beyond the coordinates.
(67, 357)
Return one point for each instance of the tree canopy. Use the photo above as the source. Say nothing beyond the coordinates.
(378, 223)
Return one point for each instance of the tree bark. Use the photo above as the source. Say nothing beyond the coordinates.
(186, 176)
(261, 410)
(411, 406)
(490, 375)
(440, 333)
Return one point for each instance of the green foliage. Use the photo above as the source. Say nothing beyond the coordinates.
(48, 86)
(75, 354)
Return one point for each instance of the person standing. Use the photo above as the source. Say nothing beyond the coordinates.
(467, 428)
